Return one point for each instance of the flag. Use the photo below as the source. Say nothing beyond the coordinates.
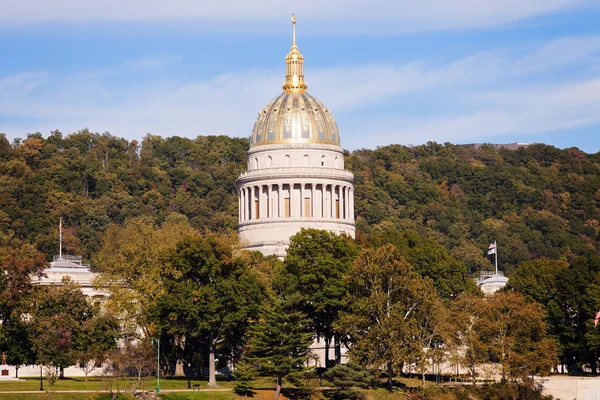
(492, 248)
(597, 319)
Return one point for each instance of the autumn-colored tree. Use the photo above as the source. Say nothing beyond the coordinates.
(461, 334)
(134, 261)
(63, 325)
(388, 303)
(19, 263)
(514, 335)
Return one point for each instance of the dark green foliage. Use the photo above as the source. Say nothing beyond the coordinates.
(92, 180)
(280, 340)
(314, 270)
(210, 300)
(536, 202)
(347, 378)
(244, 374)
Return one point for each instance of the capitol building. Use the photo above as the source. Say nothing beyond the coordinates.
(296, 177)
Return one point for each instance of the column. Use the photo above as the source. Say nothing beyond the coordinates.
(244, 204)
(280, 201)
(302, 200)
(323, 211)
(332, 211)
(352, 204)
(292, 201)
(252, 210)
(313, 198)
(241, 201)
(347, 202)
(269, 201)
(341, 202)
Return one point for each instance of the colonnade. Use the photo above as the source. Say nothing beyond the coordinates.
(296, 200)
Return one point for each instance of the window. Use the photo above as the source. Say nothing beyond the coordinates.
(256, 210)
(307, 207)
(286, 207)
(337, 208)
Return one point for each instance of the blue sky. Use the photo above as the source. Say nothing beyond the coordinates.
(466, 71)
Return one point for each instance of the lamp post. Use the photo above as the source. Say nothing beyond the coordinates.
(41, 380)
(157, 364)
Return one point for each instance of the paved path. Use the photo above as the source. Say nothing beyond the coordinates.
(106, 391)
(572, 387)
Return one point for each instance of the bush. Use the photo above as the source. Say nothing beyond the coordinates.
(348, 376)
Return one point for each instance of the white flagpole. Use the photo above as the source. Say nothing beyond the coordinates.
(496, 256)
(60, 239)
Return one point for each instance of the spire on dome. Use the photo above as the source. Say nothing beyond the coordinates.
(294, 71)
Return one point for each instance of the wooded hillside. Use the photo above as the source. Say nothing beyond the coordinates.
(536, 202)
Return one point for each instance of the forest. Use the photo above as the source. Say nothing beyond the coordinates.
(158, 219)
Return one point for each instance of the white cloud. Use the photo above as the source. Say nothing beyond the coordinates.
(332, 15)
(473, 98)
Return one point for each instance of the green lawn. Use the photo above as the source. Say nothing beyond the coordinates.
(104, 383)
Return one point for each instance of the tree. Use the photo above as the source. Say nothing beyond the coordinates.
(387, 300)
(461, 335)
(97, 340)
(63, 325)
(211, 298)
(134, 363)
(134, 264)
(314, 268)
(514, 334)
(347, 378)
(19, 263)
(279, 342)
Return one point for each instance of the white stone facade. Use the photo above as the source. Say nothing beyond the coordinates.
(292, 186)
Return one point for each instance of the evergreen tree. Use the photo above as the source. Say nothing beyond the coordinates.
(279, 343)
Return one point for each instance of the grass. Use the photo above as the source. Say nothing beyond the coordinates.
(103, 383)
(264, 389)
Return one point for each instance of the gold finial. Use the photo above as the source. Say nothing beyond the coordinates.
(294, 74)
(293, 28)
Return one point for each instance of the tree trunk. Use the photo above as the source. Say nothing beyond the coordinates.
(390, 376)
(212, 374)
(278, 389)
(327, 344)
(472, 369)
(16, 371)
(338, 350)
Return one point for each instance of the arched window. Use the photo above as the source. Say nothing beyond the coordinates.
(269, 161)
(287, 160)
(306, 160)
(322, 161)
(255, 163)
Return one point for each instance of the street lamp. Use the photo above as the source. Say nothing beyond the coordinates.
(157, 364)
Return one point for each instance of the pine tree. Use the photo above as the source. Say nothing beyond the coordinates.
(280, 341)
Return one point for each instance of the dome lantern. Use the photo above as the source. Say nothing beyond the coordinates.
(294, 63)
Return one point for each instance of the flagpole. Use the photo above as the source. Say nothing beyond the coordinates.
(496, 256)
(60, 239)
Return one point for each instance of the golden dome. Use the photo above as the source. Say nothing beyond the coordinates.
(295, 116)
